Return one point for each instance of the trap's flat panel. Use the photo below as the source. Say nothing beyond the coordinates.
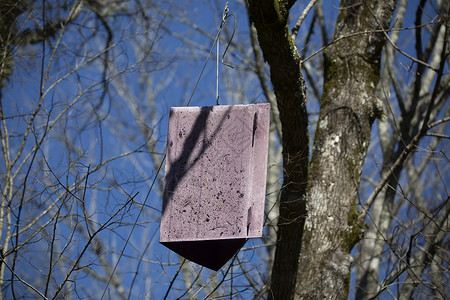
(215, 173)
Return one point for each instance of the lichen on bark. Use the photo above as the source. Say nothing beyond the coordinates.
(348, 108)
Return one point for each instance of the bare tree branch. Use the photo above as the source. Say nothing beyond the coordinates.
(300, 20)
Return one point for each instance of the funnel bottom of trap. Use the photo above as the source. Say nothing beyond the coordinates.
(212, 254)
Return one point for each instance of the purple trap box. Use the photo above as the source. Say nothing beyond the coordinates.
(215, 180)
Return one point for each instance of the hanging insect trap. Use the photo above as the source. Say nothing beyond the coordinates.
(215, 179)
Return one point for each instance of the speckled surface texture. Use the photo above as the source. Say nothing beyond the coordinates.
(215, 177)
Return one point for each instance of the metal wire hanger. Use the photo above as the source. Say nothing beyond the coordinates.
(225, 16)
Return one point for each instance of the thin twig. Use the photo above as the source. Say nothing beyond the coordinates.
(223, 278)
(173, 279)
(370, 32)
(301, 19)
(21, 280)
(86, 246)
(412, 145)
(438, 135)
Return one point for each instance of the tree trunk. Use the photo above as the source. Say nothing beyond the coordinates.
(347, 110)
(270, 20)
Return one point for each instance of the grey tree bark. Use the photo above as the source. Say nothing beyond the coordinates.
(348, 109)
